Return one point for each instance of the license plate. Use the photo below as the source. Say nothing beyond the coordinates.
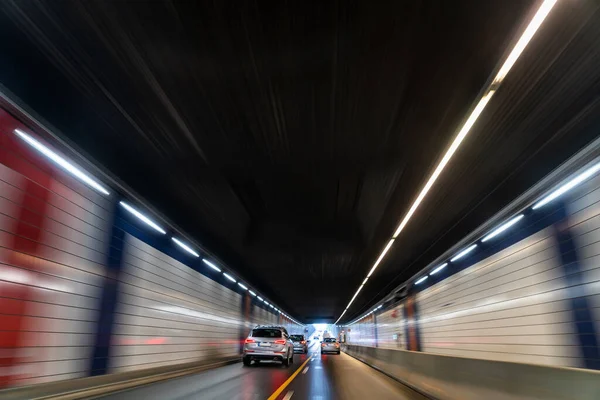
(265, 344)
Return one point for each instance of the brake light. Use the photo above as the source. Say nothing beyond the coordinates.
(303, 342)
(337, 345)
(249, 341)
(322, 344)
(280, 341)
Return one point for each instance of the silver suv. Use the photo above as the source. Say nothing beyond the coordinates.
(268, 343)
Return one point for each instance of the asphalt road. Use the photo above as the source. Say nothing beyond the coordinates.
(322, 377)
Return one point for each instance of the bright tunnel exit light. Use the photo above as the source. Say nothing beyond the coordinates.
(213, 266)
(64, 164)
(502, 228)
(463, 253)
(185, 247)
(568, 186)
(142, 217)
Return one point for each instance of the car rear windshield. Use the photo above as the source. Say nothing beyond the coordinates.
(330, 340)
(266, 333)
(297, 338)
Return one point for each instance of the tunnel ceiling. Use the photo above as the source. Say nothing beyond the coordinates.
(290, 137)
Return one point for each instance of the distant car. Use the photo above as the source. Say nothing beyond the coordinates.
(330, 345)
(300, 343)
(268, 343)
(316, 337)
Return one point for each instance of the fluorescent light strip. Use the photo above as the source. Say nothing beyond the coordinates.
(231, 278)
(502, 228)
(185, 247)
(507, 65)
(240, 284)
(142, 217)
(449, 153)
(64, 164)
(355, 294)
(533, 26)
(568, 186)
(438, 269)
(423, 279)
(266, 302)
(463, 253)
(383, 253)
(365, 281)
(213, 266)
(252, 293)
(259, 298)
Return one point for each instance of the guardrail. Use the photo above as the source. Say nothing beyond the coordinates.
(446, 377)
(85, 388)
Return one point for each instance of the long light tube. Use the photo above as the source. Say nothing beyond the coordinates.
(423, 279)
(240, 284)
(568, 186)
(185, 247)
(438, 269)
(463, 253)
(502, 228)
(142, 217)
(531, 29)
(449, 153)
(231, 278)
(383, 253)
(213, 266)
(64, 164)
(252, 293)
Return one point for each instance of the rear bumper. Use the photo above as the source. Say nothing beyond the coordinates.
(330, 350)
(263, 356)
(301, 349)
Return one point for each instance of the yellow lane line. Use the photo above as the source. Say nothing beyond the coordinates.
(289, 380)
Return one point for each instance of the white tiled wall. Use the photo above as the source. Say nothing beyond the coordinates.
(168, 313)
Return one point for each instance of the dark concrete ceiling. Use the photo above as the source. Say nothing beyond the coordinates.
(289, 137)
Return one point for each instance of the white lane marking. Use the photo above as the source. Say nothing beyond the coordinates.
(305, 370)
(288, 395)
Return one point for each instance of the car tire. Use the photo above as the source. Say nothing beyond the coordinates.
(292, 358)
(286, 361)
(247, 362)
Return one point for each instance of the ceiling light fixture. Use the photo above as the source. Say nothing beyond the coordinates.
(142, 217)
(517, 50)
(64, 164)
(423, 279)
(568, 186)
(185, 247)
(463, 253)
(240, 284)
(438, 269)
(231, 278)
(502, 228)
(213, 266)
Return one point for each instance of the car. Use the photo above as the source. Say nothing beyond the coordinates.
(300, 343)
(268, 343)
(330, 345)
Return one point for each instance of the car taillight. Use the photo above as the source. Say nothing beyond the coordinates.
(280, 341)
(249, 341)
(323, 344)
(337, 345)
(303, 342)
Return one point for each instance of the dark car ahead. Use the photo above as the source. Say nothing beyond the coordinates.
(300, 343)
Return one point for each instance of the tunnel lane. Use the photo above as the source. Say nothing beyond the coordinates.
(324, 377)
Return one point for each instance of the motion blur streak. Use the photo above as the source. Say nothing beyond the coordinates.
(531, 29)
(57, 237)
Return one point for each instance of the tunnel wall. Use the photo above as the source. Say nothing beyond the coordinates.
(533, 297)
(85, 289)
